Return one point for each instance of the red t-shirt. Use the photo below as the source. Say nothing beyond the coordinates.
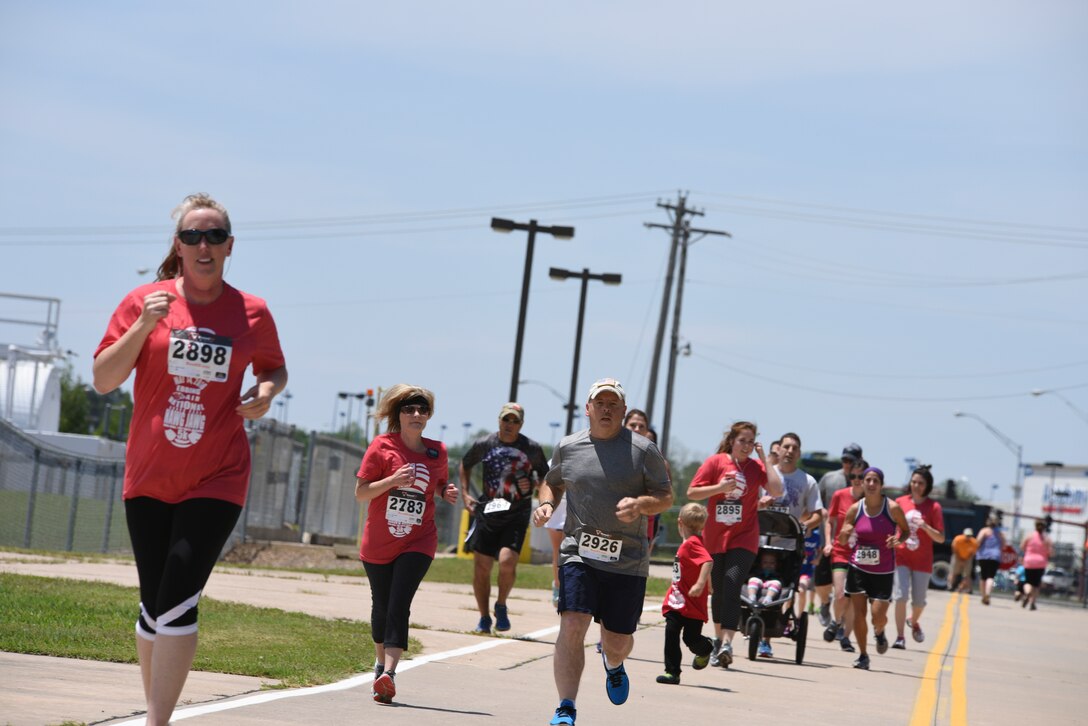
(841, 501)
(186, 440)
(921, 559)
(402, 519)
(689, 560)
(733, 523)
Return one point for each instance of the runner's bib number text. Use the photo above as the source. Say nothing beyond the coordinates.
(405, 507)
(728, 512)
(599, 547)
(496, 505)
(199, 355)
(867, 556)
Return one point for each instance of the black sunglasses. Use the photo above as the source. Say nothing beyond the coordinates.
(412, 409)
(191, 237)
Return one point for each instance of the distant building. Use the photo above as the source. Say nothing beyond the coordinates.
(1062, 493)
(30, 373)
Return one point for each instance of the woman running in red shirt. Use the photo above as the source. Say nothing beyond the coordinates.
(400, 476)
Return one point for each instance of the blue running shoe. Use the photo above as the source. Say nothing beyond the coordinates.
(564, 715)
(502, 620)
(616, 683)
(484, 626)
(765, 649)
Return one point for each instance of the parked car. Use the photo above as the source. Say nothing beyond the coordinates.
(1056, 580)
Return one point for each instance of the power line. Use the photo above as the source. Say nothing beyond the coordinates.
(916, 229)
(894, 376)
(378, 218)
(868, 396)
(1080, 231)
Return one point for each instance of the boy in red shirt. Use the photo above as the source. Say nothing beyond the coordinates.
(685, 602)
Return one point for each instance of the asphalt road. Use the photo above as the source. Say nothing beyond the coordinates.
(979, 665)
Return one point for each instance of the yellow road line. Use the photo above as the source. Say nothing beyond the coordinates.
(959, 669)
(925, 703)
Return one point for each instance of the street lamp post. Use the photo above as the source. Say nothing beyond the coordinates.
(558, 273)
(551, 390)
(361, 398)
(1040, 391)
(286, 404)
(1057, 498)
(559, 232)
(1017, 487)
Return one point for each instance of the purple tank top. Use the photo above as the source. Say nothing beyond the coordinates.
(871, 553)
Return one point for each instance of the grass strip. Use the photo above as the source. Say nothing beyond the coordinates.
(95, 621)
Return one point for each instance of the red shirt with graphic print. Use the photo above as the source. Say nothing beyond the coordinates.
(186, 440)
(402, 519)
(733, 523)
(686, 566)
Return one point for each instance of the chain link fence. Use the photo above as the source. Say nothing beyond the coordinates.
(302, 489)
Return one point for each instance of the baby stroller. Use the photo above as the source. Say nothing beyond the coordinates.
(782, 535)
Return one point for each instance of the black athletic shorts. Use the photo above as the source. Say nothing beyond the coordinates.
(490, 537)
(877, 587)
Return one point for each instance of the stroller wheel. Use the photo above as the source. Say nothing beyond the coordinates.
(801, 637)
(755, 635)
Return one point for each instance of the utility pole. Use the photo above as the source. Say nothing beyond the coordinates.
(674, 347)
(677, 213)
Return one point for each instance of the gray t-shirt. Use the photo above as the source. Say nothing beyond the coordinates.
(800, 494)
(594, 475)
(830, 483)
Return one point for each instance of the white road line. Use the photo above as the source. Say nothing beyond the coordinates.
(181, 714)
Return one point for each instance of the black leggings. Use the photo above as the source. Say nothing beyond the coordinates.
(692, 630)
(392, 588)
(729, 573)
(176, 546)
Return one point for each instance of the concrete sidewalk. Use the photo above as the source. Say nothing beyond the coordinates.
(1015, 666)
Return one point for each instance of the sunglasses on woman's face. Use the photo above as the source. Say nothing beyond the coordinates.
(192, 237)
(856, 477)
(414, 409)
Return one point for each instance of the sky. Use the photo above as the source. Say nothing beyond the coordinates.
(905, 189)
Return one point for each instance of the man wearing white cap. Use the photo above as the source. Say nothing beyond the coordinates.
(511, 464)
(612, 480)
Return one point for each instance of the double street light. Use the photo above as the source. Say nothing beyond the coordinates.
(1018, 449)
(507, 225)
(558, 273)
(365, 398)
